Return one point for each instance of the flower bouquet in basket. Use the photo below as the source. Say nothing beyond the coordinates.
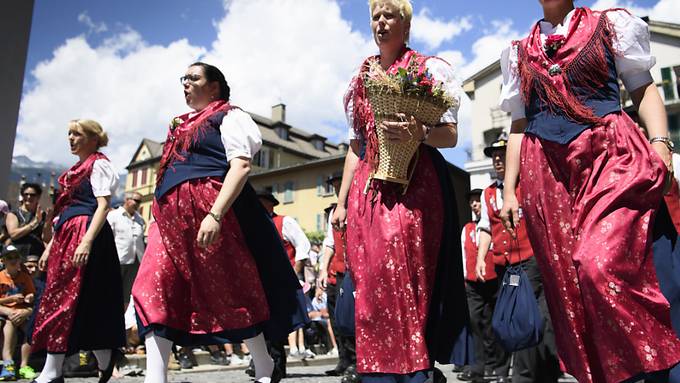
(411, 91)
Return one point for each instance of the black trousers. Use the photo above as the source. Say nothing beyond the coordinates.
(278, 353)
(347, 354)
(490, 355)
(538, 364)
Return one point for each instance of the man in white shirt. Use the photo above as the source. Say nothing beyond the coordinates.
(128, 230)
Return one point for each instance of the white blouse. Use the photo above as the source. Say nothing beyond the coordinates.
(104, 178)
(240, 135)
(440, 71)
(633, 61)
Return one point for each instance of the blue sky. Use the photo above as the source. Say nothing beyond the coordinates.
(104, 54)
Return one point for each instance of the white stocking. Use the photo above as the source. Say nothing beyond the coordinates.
(264, 365)
(103, 358)
(52, 369)
(157, 354)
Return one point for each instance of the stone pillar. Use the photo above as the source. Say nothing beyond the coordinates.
(15, 27)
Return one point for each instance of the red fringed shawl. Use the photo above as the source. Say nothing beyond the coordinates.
(70, 181)
(582, 60)
(362, 114)
(185, 130)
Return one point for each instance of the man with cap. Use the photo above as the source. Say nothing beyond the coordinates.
(481, 296)
(297, 247)
(539, 364)
(4, 236)
(294, 239)
(331, 274)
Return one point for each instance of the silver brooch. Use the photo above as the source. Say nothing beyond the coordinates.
(554, 69)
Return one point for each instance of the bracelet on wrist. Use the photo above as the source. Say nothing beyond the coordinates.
(216, 217)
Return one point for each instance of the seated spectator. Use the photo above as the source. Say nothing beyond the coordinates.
(4, 235)
(26, 224)
(321, 321)
(17, 293)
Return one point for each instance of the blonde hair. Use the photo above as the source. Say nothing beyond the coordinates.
(404, 6)
(92, 129)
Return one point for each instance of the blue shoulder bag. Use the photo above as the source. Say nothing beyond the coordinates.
(517, 320)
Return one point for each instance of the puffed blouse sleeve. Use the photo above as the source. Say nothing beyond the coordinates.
(349, 108)
(442, 72)
(510, 99)
(634, 58)
(104, 178)
(240, 135)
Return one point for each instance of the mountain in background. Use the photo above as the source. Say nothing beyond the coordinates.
(41, 173)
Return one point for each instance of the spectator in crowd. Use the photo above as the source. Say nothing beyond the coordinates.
(17, 293)
(311, 268)
(128, 230)
(4, 236)
(321, 321)
(26, 224)
(297, 247)
(234, 358)
(331, 273)
(481, 301)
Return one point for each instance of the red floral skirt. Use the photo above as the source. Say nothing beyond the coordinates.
(190, 289)
(590, 205)
(81, 307)
(393, 245)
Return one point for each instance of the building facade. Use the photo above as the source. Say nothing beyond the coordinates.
(488, 121)
(275, 167)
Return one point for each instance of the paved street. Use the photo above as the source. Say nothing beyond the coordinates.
(309, 374)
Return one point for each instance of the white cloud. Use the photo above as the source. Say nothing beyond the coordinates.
(433, 32)
(85, 19)
(300, 52)
(488, 48)
(663, 10)
(131, 88)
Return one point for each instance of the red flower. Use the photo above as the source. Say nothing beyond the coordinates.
(554, 42)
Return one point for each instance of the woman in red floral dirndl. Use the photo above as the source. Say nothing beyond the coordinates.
(594, 184)
(81, 307)
(215, 270)
(410, 297)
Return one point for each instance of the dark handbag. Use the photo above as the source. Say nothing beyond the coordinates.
(517, 321)
(344, 307)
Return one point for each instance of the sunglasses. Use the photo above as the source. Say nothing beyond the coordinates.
(136, 200)
(30, 194)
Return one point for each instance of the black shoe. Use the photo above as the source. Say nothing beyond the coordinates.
(57, 380)
(277, 375)
(219, 357)
(438, 376)
(457, 368)
(105, 375)
(250, 371)
(503, 379)
(351, 375)
(337, 371)
(465, 376)
(184, 361)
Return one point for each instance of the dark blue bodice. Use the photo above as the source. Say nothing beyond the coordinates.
(83, 202)
(206, 158)
(557, 127)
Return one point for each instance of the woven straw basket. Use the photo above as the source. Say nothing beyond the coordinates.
(395, 157)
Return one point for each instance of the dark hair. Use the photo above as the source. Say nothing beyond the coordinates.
(213, 74)
(29, 185)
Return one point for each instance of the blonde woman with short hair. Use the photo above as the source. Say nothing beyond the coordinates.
(82, 306)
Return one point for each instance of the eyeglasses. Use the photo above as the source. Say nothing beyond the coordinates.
(191, 78)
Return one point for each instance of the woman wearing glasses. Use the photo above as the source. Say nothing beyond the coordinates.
(26, 224)
(214, 270)
(82, 305)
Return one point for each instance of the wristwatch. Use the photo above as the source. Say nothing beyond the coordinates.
(665, 140)
(216, 217)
